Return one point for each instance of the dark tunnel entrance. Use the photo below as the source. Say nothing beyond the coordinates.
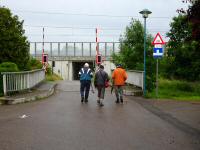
(78, 65)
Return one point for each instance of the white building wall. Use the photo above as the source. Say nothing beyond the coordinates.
(65, 68)
(62, 69)
(70, 71)
(108, 66)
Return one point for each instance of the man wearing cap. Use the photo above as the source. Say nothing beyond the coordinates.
(85, 75)
(119, 77)
(99, 81)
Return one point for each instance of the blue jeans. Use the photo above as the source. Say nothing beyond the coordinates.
(85, 88)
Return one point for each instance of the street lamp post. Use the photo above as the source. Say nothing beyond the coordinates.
(145, 14)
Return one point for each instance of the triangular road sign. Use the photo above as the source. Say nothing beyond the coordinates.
(158, 40)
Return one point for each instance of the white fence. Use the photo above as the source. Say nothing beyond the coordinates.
(135, 77)
(18, 81)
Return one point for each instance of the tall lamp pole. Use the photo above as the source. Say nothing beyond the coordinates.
(145, 14)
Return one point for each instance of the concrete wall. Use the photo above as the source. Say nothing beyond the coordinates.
(108, 66)
(62, 68)
(65, 68)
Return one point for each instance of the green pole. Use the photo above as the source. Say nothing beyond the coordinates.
(144, 57)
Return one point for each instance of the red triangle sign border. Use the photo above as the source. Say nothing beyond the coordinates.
(154, 41)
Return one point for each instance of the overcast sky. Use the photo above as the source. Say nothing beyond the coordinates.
(76, 20)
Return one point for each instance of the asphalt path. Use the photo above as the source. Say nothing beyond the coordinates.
(62, 122)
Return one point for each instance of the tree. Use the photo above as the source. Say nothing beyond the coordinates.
(14, 46)
(194, 18)
(131, 55)
(183, 51)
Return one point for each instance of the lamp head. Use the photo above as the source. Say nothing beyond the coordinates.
(145, 13)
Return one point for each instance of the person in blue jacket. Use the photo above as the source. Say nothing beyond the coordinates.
(85, 75)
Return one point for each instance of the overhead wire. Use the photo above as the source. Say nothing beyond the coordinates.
(89, 15)
(70, 27)
(86, 28)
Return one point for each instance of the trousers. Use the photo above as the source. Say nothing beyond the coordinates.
(119, 91)
(85, 88)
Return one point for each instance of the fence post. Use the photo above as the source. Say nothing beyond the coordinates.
(28, 81)
(4, 85)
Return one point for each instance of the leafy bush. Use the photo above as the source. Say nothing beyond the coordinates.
(6, 67)
(48, 70)
(53, 77)
(184, 86)
(177, 89)
(35, 64)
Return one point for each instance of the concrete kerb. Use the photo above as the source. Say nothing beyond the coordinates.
(36, 96)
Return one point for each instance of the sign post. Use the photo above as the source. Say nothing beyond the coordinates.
(157, 53)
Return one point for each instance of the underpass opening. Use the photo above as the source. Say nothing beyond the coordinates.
(78, 65)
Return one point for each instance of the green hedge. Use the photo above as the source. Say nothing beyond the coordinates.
(6, 67)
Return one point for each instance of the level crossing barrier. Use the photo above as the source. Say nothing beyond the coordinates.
(19, 81)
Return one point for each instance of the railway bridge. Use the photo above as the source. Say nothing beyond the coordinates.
(69, 57)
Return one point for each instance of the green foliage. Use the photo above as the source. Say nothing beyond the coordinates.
(49, 70)
(183, 51)
(53, 77)
(184, 86)
(131, 55)
(14, 46)
(194, 18)
(6, 67)
(34, 64)
(177, 90)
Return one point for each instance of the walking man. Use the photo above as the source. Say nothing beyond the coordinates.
(99, 81)
(119, 77)
(85, 75)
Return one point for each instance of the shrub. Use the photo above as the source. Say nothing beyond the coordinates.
(53, 77)
(48, 70)
(6, 67)
(184, 86)
(35, 64)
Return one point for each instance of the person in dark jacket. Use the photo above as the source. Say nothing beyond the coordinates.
(85, 75)
(99, 81)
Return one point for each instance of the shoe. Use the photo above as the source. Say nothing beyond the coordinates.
(101, 104)
(86, 100)
(121, 100)
(98, 101)
(117, 101)
(82, 99)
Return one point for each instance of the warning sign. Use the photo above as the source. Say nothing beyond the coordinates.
(158, 40)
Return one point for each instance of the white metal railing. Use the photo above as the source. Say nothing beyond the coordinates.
(18, 81)
(135, 77)
(63, 49)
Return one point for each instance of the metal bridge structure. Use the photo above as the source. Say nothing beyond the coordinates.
(69, 57)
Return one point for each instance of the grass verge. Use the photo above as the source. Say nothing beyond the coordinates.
(177, 90)
(54, 77)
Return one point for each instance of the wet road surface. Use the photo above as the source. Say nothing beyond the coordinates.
(61, 122)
